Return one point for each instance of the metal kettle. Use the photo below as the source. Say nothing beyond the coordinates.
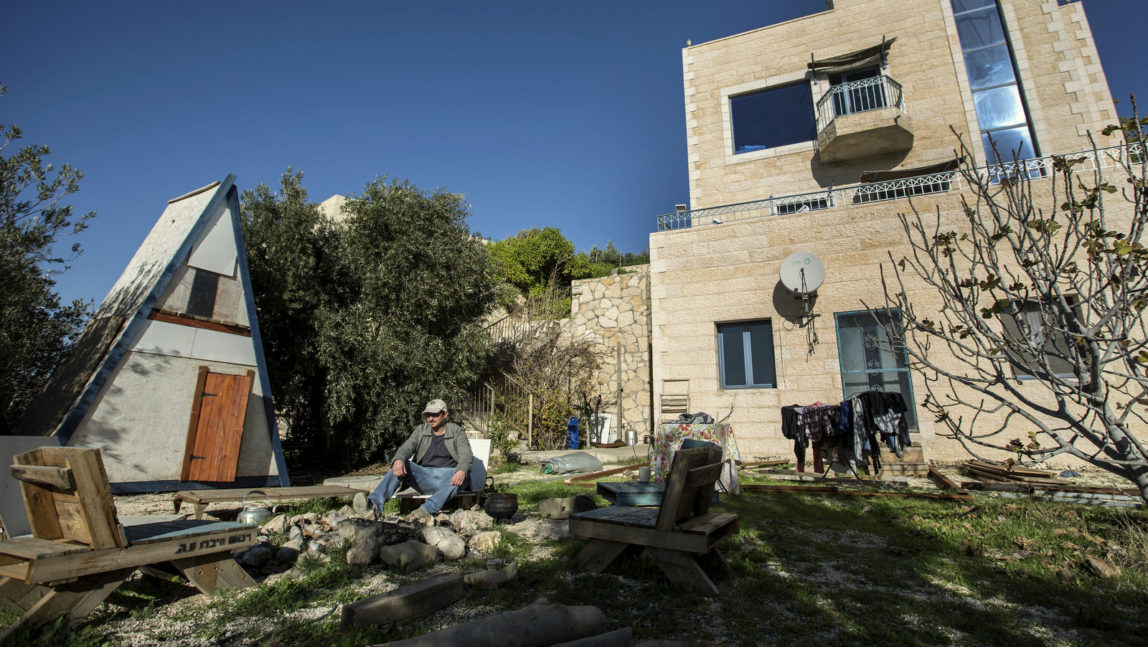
(256, 515)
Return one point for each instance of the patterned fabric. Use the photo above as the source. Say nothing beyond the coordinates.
(670, 438)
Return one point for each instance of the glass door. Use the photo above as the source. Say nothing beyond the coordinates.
(868, 363)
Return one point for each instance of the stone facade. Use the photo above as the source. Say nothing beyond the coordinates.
(714, 274)
(615, 312)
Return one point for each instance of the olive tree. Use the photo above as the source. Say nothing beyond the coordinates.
(1042, 281)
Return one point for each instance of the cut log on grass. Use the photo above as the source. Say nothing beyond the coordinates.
(413, 600)
(594, 476)
(537, 625)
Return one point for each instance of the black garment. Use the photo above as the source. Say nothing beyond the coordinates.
(437, 455)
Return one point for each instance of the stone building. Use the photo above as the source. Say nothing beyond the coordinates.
(810, 136)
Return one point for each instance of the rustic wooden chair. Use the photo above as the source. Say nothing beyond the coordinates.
(681, 535)
(79, 552)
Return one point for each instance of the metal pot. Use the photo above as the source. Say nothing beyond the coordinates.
(256, 515)
(501, 505)
(631, 437)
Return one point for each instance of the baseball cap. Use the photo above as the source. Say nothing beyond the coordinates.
(435, 406)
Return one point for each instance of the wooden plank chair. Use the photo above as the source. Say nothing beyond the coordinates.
(79, 553)
(681, 535)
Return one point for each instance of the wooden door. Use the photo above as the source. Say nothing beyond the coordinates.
(216, 427)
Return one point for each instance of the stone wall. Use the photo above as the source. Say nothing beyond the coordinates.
(615, 312)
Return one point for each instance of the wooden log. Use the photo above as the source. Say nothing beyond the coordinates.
(830, 490)
(536, 625)
(59, 478)
(410, 601)
(580, 480)
(936, 476)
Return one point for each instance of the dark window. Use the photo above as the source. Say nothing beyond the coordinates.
(772, 118)
(858, 97)
(201, 301)
(801, 206)
(894, 190)
(745, 353)
(1031, 327)
(869, 362)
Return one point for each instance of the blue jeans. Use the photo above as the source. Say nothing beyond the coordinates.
(434, 481)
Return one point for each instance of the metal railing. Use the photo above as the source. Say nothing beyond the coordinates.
(859, 96)
(834, 197)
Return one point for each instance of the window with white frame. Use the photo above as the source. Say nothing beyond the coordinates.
(745, 355)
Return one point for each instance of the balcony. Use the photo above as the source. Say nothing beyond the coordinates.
(862, 119)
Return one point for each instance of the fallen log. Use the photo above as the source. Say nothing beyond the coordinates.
(593, 476)
(937, 477)
(413, 600)
(536, 625)
(618, 638)
(832, 490)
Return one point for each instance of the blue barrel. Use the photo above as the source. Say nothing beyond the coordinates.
(572, 434)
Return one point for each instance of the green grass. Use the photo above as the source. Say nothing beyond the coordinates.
(828, 569)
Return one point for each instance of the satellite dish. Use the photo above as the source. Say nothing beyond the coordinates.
(802, 273)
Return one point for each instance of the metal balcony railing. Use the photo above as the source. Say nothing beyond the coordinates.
(855, 194)
(859, 96)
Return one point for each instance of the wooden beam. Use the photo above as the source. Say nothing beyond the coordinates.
(579, 480)
(944, 481)
(59, 478)
(831, 490)
(419, 599)
(195, 322)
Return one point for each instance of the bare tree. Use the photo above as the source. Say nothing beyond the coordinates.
(1043, 283)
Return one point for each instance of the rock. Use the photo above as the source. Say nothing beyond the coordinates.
(255, 557)
(470, 521)
(1101, 567)
(295, 532)
(366, 537)
(486, 542)
(276, 524)
(444, 539)
(353, 527)
(346, 511)
(359, 504)
(332, 519)
(408, 556)
(562, 508)
(296, 545)
(287, 554)
(316, 547)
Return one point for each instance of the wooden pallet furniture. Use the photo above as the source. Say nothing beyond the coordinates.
(79, 553)
(681, 535)
(200, 499)
(675, 398)
(409, 498)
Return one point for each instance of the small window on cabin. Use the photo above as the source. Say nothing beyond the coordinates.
(201, 301)
(773, 117)
(745, 355)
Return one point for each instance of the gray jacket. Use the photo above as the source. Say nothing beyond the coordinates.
(420, 441)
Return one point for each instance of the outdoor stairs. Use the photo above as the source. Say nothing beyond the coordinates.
(911, 462)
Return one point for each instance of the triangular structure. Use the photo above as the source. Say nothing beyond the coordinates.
(169, 379)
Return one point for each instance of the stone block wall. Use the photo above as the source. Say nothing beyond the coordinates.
(614, 311)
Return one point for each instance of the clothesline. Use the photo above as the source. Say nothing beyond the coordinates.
(848, 431)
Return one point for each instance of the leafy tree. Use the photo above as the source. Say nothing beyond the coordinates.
(1041, 278)
(292, 252)
(369, 319)
(36, 330)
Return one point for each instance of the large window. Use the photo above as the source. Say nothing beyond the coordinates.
(771, 118)
(868, 360)
(997, 97)
(745, 353)
(1027, 324)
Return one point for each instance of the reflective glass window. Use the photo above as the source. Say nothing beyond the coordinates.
(999, 107)
(989, 67)
(965, 5)
(772, 118)
(1013, 144)
(746, 355)
(980, 28)
(868, 360)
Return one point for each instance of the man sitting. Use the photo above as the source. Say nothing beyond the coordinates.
(435, 460)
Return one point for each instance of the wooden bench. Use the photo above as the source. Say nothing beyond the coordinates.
(410, 498)
(681, 535)
(79, 552)
(200, 499)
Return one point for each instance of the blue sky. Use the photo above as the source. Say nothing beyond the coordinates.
(541, 113)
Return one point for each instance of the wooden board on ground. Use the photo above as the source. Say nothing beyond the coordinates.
(410, 601)
(200, 499)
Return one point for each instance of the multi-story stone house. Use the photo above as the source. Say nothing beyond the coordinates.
(811, 136)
